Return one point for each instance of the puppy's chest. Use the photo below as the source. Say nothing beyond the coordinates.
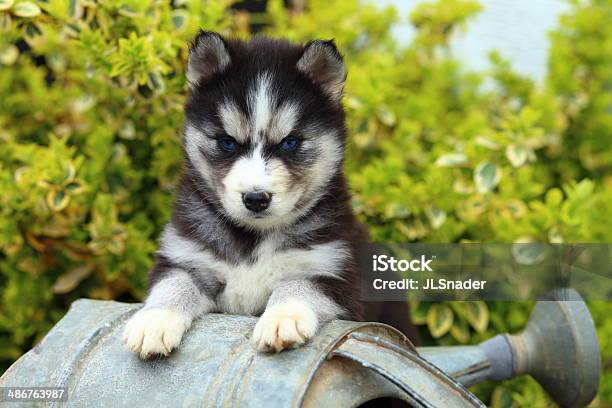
(248, 285)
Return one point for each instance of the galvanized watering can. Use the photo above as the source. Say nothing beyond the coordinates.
(345, 365)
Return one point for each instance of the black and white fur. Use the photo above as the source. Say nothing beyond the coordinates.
(294, 262)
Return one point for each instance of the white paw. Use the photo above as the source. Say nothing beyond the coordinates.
(285, 325)
(154, 331)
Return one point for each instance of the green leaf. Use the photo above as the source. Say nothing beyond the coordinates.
(75, 8)
(396, 210)
(501, 398)
(486, 177)
(156, 82)
(477, 314)
(554, 197)
(74, 187)
(32, 30)
(6, 4)
(128, 11)
(452, 160)
(418, 312)
(555, 236)
(517, 154)
(528, 253)
(127, 130)
(460, 331)
(179, 19)
(386, 116)
(26, 9)
(487, 143)
(5, 21)
(439, 320)
(436, 217)
(57, 200)
(9, 55)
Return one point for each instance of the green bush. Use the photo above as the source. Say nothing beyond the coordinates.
(91, 98)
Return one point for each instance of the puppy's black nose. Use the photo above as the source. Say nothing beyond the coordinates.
(256, 201)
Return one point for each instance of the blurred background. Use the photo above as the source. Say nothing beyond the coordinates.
(469, 122)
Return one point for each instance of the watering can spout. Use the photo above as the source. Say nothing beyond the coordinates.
(558, 348)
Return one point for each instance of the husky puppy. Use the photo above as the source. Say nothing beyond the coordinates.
(262, 224)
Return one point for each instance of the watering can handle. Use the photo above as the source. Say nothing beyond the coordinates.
(423, 384)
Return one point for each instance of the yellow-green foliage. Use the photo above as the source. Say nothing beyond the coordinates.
(91, 96)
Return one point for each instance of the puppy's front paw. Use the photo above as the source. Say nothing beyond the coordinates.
(285, 325)
(154, 331)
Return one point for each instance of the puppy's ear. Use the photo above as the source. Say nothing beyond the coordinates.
(208, 56)
(323, 64)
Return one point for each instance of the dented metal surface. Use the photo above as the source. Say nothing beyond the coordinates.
(215, 366)
(346, 364)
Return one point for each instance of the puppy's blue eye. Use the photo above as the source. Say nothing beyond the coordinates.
(228, 144)
(289, 143)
